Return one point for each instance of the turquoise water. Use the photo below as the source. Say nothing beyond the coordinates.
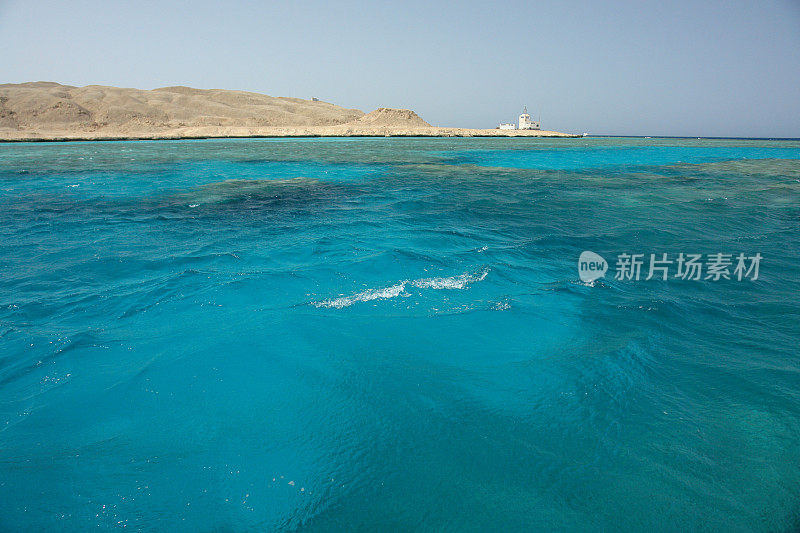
(391, 334)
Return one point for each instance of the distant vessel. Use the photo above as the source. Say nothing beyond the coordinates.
(525, 123)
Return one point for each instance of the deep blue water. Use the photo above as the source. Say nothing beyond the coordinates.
(391, 334)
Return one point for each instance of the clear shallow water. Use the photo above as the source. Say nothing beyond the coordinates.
(391, 334)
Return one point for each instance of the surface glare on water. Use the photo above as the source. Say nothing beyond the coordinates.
(392, 334)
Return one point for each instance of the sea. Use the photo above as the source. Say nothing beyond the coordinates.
(399, 334)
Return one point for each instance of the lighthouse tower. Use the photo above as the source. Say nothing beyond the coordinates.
(525, 122)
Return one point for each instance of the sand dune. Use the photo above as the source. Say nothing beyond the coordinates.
(50, 111)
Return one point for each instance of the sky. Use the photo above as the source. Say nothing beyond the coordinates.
(618, 67)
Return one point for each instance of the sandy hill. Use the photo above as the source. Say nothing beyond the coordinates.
(51, 111)
(46, 106)
(384, 117)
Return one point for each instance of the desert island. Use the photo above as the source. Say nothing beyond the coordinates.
(48, 111)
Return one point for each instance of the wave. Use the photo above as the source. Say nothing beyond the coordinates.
(455, 282)
(399, 289)
(365, 296)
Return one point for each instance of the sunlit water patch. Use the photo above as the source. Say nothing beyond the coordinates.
(592, 154)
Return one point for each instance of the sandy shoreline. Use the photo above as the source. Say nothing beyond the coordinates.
(166, 136)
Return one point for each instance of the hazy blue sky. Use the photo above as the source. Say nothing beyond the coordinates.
(725, 68)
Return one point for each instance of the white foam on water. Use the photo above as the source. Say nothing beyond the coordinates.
(365, 296)
(455, 282)
(399, 289)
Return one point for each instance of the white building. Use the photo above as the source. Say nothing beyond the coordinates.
(525, 122)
